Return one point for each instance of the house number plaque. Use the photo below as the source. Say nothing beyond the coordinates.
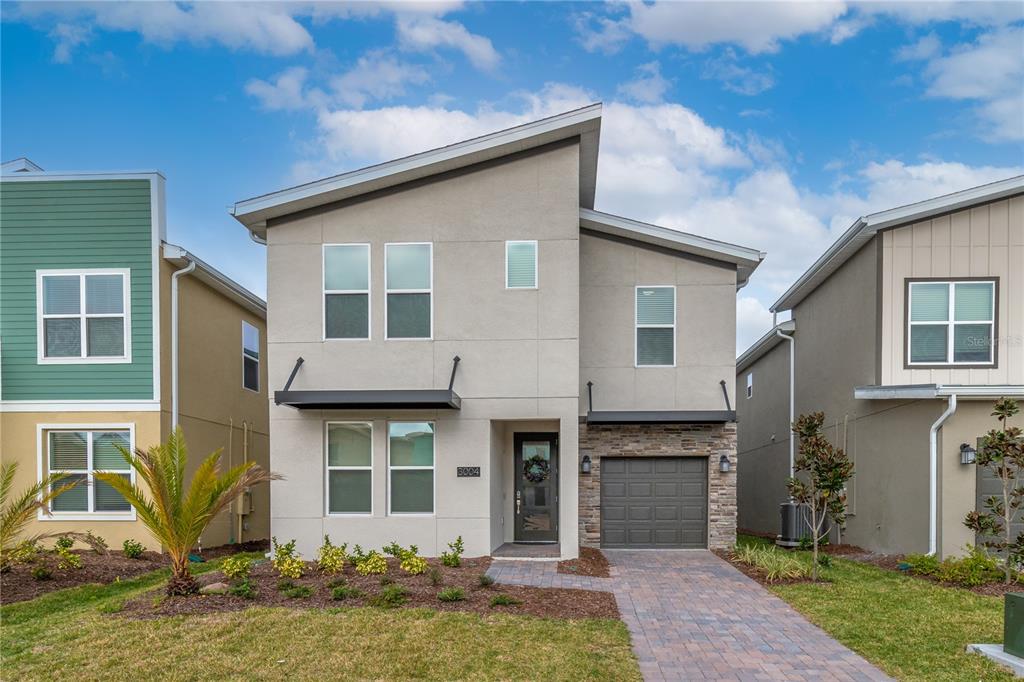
(468, 472)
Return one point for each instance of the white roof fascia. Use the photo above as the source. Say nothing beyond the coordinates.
(927, 391)
(584, 123)
(745, 259)
(20, 165)
(213, 277)
(83, 175)
(764, 344)
(865, 228)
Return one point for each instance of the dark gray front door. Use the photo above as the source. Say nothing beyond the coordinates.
(654, 502)
(536, 495)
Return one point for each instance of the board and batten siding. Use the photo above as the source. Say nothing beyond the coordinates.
(985, 241)
(70, 224)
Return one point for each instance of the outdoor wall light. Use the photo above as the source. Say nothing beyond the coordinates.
(585, 465)
(724, 465)
(967, 454)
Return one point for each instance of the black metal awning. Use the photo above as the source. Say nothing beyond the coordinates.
(661, 417)
(373, 399)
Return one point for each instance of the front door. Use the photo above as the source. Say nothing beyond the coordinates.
(536, 476)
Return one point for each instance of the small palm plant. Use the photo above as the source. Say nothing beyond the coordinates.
(177, 514)
(17, 512)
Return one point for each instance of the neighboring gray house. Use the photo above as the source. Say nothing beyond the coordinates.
(453, 312)
(904, 333)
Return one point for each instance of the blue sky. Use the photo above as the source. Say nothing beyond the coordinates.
(772, 125)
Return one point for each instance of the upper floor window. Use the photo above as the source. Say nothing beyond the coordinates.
(750, 384)
(83, 316)
(951, 323)
(79, 454)
(250, 357)
(656, 326)
(346, 291)
(521, 265)
(408, 279)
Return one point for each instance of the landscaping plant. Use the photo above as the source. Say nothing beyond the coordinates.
(453, 557)
(243, 589)
(409, 559)
(67, 559)
(64, 542)
(343, 592)
(451, 594)
(372, 563)
(41, 573)
(285, 562)
(390, 597)
(132, 548)
(236, 567)
(16, 511)
(330, 559)
(504, 600)
(1002, 452)
(176, 513)
(773, 563)
(827, 469)
(486, 580)
(435, 575)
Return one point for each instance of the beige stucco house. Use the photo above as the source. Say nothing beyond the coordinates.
(459, 345)
(903, 333)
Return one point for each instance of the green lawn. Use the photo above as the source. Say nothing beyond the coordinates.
(70, 634)
(911, 628)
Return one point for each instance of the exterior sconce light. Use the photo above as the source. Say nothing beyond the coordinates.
(585, 465)
(724, 465)
(967, 454)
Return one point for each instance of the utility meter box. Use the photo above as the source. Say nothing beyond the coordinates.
(1013, 624)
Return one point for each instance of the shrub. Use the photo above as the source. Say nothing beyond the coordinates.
(504, 600)
(285, 584)
(435, 576)
(393, 549)
(922, 564)
(343, 592)
(244, 589)
(774, 564)
(42, 573)
(414, 565)
(453, 558)
(287, 564)
(298, 592)
(451, 594)
(485, 580)
(330, 559)
(337, 582)
(390, 597)
(132, 548)
(96, 543)
(976, 568)
(358, 555)
(64, 542)
(68, 559)
(825, 561)
(373, 563)
(237, 567)
(25, 553)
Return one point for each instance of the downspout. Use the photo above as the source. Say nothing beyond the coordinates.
(174, 339)
(792, 398)
(933, 475)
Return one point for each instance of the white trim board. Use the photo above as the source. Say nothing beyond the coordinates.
(79, 406)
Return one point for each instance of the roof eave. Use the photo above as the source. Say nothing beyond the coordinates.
(760, 348)
(211, 276)
(929, 391)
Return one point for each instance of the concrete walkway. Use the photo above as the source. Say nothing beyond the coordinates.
(692, 616)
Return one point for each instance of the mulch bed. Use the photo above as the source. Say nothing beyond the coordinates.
(535, 601)
(18, 584)
(591, 562)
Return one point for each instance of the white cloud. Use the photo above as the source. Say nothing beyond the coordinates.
(378, 76)
(424, 33)
(67, 37)
(286, 92)
(742, 80)
(925, 47)
(601, 34)
(752, 320)
(649, 86)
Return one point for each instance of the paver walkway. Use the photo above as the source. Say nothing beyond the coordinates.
(694, 617)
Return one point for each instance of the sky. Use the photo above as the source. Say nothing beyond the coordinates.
(767, 124)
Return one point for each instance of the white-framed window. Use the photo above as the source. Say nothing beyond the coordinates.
(250, 357)
(411, 467)
(521, 264)
(346, 291)
(951, 322)
(349, 467)
(84, 316)
(409, 283)
(80, 451)
(655, 318)
(750, 385)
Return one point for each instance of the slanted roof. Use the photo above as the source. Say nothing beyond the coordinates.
(764, 344)
(584, 123)
(214, 278)
(865, 228)
(20, 165)
(745, 259)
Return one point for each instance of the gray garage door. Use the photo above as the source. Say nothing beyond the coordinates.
(654, 502)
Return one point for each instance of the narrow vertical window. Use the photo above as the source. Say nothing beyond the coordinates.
(349, 468)
(80, 454)
(83, 316)
(521, 265)
(347, 291)
(411, 467)
(250, 357)
(408, 276)
(951, 323)
(656, 326)
(750, 384)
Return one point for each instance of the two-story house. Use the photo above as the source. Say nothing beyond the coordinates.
(108, 337)
(459, 345)
(904, 333)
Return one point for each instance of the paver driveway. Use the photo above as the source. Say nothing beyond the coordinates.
(694, 617)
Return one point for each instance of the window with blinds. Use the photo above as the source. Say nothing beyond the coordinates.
(347, 291)
(656, 326)
(411, 467)
(83, 316)
(79, 454)
(408, 280)
(349, 468)
(521, 265)
(250, 357)
(951, 323)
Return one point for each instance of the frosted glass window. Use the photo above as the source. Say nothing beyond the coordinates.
(655, 326)
(349, 468)
(951, 323)
(408, 274)
(411, 467)
(347, 291)
(521, 265)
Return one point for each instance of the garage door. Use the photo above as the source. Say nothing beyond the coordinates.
(654, 502)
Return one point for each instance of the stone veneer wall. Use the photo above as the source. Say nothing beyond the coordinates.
(661, 440)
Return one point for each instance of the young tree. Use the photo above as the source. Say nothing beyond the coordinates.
(177, 514)
(827, 471)
(17, 511)
(1002, 452)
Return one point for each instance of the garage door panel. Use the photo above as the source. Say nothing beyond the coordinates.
(654, 502)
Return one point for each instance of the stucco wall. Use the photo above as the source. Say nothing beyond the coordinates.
(610, 271)
(984, 241)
